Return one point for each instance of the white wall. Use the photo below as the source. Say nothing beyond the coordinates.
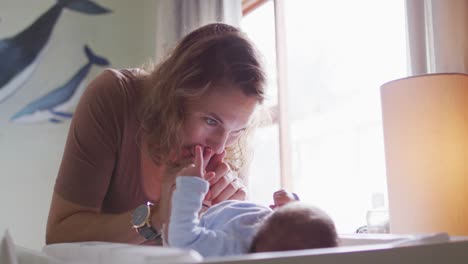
(30, 154)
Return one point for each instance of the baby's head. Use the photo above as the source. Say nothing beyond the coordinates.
(295, 226)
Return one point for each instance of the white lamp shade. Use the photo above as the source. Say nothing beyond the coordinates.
(425, 121)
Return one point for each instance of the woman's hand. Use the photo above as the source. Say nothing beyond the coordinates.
(198, 167)
(225, 184)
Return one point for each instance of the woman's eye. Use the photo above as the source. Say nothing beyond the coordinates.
(238, 132)
(211, 121)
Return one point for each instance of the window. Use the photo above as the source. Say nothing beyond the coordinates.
(265, 170)
(339, 52)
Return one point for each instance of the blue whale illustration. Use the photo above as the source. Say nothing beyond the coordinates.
(54, 106)
(19, 54)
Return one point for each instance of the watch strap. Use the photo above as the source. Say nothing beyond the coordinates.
(149, 233)
(146, 230)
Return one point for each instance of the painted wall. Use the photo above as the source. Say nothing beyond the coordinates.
(30, 154)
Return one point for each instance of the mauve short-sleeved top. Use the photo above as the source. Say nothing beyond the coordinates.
(101, 162)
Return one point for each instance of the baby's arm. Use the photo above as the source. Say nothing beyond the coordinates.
(184, 229)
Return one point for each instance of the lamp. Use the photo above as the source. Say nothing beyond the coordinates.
(425, 123)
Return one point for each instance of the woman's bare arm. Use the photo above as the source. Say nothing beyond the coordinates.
(70, 222)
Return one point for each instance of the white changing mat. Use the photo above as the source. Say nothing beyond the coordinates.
(14, 254)
(392, 239)
(93, 253)
(355, 248)
(118, 253)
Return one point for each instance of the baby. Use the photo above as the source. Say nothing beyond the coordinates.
(237, 227)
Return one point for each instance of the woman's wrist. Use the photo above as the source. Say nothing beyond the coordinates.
(157, 217)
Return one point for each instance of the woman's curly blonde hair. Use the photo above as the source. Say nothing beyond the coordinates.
(215, 55)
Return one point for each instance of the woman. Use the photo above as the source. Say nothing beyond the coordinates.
(134, 130)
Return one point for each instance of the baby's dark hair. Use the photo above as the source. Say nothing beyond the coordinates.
(295, 226)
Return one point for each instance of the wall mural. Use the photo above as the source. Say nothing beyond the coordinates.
(54, 105)
(20, 55)
(50, 50)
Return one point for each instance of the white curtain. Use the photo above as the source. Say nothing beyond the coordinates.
(176, 18)
(438, 36)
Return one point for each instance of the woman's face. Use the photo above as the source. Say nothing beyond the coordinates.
(218, 119)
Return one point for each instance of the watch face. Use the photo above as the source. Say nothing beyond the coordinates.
(140, 215)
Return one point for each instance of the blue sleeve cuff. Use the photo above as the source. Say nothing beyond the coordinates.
(192, 184)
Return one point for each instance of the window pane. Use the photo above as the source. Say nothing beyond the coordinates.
(339, 53)
(264, 172)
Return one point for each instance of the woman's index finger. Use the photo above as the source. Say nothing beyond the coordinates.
(215, 160)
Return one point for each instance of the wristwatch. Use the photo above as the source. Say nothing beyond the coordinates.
(141, 221)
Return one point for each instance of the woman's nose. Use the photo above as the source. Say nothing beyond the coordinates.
(218, 142)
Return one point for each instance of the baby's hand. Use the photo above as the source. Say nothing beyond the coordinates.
(282, 197)
(197, 168)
